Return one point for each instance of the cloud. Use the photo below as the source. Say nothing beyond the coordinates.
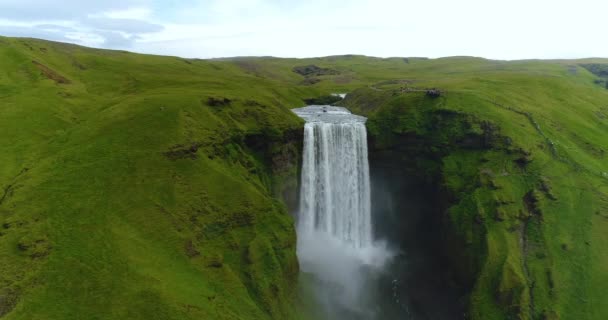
(24, 31)
(54, 28)
(131, 26)
(117, 40)
(213, 28)
(139, 13)
(65, 9)
(110, 23)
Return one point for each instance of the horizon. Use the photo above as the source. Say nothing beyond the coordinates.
(311, 57)
(208, 29)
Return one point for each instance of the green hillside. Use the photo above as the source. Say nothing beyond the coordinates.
(146, 187)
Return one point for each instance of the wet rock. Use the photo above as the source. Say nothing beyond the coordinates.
(323, 100)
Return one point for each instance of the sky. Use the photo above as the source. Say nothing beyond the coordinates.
(514, 29)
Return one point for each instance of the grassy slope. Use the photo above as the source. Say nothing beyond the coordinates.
(544, 259)
(100, 223)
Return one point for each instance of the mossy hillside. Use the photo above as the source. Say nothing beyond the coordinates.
(127, 195)
(522, 163)
(520, 133)
(138, 186)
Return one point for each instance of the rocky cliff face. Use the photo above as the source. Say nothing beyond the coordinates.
(283, 158)
(468, 203)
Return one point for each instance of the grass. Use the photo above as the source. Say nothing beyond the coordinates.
(126, 193)
(529, 260)
(102, 224)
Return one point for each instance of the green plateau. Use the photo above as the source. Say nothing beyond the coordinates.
(147, 187)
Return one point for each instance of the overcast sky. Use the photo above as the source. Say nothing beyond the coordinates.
(513, 29)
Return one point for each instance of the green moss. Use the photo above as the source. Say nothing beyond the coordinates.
(500, 166)
(158, 187)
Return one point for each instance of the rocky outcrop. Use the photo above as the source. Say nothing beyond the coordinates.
(282, 156)
(313, 70)
(463, 178)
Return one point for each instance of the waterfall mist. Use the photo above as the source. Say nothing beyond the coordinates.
(335, 240)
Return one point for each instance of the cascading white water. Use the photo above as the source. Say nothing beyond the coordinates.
(335, 192)
(335, 240)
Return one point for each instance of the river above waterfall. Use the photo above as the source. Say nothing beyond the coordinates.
(328, 114)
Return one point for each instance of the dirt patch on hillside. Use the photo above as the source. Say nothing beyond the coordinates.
(183, 152)
(8, 301)
(50, 73)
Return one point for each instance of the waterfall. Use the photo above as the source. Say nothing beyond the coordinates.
(335, 240)
(335, 191)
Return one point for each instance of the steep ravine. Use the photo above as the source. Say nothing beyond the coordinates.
(439, 194)
(407, 207)
(432, 272)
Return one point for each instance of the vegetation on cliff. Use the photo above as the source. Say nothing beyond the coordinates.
(129, 193)
(137, 186)
(519, 150)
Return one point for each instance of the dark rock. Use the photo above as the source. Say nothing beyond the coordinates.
(218, 102)
(531, 203)
(523, 160)
(215, 261)
(22, 246)
(323, 100)
(433, 93)
(312, 70)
